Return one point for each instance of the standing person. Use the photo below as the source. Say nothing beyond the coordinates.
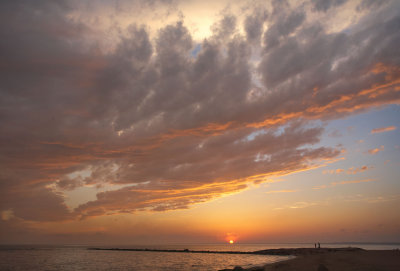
(315, 245)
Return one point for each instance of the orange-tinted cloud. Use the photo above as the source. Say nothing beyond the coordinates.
(376, 150)
(332, 184)
(319, 187)
(172, 127)
(352, 182)
(143, 197)
(298, 205)
(352, 170)
(333, 171)
(280, 191)
(383, 129)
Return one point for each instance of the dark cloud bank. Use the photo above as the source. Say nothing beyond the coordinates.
(176, 128)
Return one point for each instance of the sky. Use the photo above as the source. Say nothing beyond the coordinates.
(171, 121)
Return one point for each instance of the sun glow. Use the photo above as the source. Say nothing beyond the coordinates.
(231, 242)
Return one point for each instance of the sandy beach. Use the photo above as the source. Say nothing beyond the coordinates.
(309, 259)
(337, 260)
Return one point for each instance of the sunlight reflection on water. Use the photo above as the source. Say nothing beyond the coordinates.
(79, 258)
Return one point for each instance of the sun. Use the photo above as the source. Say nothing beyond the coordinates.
(231, 242)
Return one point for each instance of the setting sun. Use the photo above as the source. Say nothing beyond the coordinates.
(231, 242)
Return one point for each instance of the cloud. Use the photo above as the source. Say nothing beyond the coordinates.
(368, 4)
(34, 203)
(333, 171)
(352, 182)
(319, 187)
(175, 129)
(284, 24)
(373, 199)
(383, 129)
(302, 204)
(376, 150)
(253, 25)
(324, 5)
(335, 133)
(7, 215)
(352, 170)
(280, 191)
(332, 184)
(206, 169)
(153, 198)
(298, 205)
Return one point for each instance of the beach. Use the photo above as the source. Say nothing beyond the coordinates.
(336, 260)
(305, 259)
(205, 257)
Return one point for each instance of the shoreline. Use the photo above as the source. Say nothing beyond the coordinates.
(334, 260)
(308, 259)
(273, 252)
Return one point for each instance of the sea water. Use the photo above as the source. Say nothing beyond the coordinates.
(81, 258)
(62, 258)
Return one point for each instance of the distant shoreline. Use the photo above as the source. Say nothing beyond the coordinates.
(275, 252)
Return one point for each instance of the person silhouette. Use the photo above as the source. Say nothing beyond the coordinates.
(315, 245)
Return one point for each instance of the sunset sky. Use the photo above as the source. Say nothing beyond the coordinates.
(199, 121)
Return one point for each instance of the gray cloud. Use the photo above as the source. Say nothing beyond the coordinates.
(224, 28)
(368, 4)
(153, 117)
(324, 5)
(283, 24)
(253, 25)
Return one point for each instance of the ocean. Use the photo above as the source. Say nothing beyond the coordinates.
(41, 257)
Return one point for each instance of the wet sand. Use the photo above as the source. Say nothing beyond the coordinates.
(336, 260)
(311, 259)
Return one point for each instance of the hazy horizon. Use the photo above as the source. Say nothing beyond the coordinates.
(170, 121)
